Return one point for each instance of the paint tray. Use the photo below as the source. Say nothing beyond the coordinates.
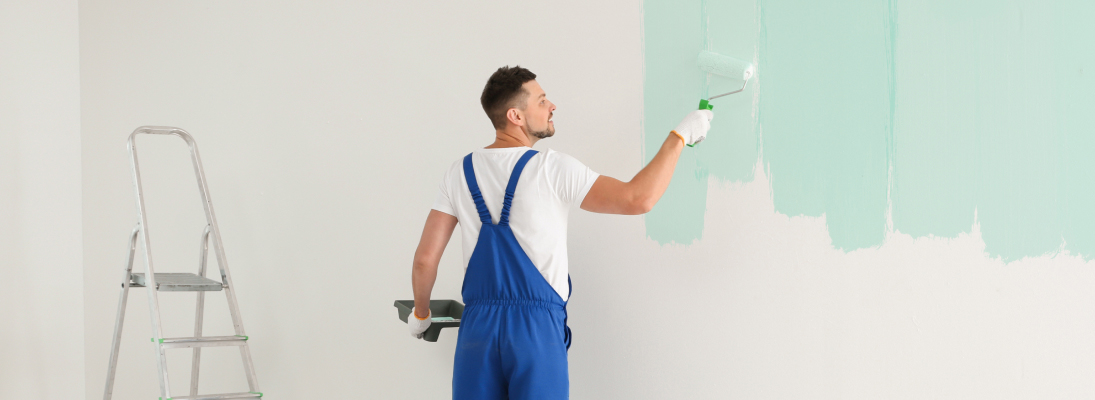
(443, 313)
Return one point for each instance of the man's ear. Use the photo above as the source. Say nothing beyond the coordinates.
(514, 117)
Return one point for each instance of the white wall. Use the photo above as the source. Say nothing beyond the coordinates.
(41, 336)
(325, 128)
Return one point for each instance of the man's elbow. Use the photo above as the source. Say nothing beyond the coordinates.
(641, 205)
(424, 264)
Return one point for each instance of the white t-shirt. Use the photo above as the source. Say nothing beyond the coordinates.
(551, 183)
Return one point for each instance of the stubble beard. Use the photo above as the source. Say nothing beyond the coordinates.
(545, 133)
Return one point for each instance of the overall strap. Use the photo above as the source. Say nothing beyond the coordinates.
(512, 186)
(568, 336)
(473, 186)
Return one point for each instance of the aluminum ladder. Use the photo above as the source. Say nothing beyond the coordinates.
(180, 282)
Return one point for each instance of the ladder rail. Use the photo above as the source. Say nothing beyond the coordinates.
(233, 308)
(218, 251)
(207, 205)
(195, 363)
(213, 230)
(153, 296)
(119, 320)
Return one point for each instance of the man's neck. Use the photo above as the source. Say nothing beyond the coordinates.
(512, 137)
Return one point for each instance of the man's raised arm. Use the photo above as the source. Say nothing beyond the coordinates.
(611, 196)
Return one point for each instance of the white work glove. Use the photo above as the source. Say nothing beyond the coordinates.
(417, 326)
(693, 129)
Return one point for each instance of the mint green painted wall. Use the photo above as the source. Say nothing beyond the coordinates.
(937, 108)
(1074, 62)
(826, 90)
(995, 114)
(675, 32)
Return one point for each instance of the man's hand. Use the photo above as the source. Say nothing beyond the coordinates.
(693, 129)
(418, 325)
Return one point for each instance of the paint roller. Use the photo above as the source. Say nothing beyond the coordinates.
(730, 67)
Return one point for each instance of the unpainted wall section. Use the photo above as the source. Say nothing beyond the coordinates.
(325, 129)
(41, 312)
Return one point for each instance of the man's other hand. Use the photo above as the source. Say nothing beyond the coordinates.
(418, 326)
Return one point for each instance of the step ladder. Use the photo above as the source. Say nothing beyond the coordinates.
(180, 282)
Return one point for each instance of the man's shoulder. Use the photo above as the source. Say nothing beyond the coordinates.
(561, 160)
(454, 169)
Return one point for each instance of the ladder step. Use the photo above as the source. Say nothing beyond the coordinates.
(178, 282)
(205, 341)
(245, 395)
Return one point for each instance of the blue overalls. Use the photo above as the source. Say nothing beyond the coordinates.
(513, 337)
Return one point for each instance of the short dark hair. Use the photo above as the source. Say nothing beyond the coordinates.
(503, 92)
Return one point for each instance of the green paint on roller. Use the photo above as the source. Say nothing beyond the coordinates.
(730, 67)
(718, 64)
(675, 32)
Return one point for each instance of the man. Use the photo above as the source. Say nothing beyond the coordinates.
(512, 204)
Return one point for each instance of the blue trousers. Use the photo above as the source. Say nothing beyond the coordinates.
(513, 337)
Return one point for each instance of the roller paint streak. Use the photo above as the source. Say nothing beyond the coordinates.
(825, 113)
(674, 33)
(811, 175)
(1002, 128)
